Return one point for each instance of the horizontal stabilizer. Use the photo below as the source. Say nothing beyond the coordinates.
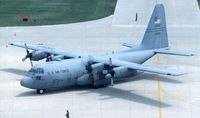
(171, 52)
(128, 45)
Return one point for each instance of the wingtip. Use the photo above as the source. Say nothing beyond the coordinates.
(192, 54)
(15, 43)
(179, 74)
(10, 43)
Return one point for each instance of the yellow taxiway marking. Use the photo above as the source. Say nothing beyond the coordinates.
(159, 99)
(169, 94)
(158, 89)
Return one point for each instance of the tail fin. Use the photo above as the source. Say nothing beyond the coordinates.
(156, 32)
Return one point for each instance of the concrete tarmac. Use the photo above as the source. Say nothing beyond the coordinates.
(145, 96)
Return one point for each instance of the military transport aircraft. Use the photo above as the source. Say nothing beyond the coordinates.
(63, 68)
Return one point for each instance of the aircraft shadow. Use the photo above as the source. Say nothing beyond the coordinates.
(14, 71)
(111, 92)
(54, 91)
(107, 93)
(150, 77)
(155, 77)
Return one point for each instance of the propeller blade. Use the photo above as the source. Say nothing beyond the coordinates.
(110, 62)
(31, 62)
(27, 51)
(28, 55)
(23, 59)
(112, 82)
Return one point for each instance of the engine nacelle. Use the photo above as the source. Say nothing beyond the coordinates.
(121, 72)
(38, 55)
(102, 82)
(84, 80)
(57, 58)
(97, 67)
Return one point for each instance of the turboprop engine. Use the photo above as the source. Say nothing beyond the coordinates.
(57, 58)
(35, 55)
(38, 55)
(84, 80)
(104, 80)
(107, 77)
(120, 72)
(88, 78)
(101, 74)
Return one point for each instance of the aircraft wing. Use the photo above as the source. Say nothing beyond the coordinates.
(135, 66)
(115, 62)
(48, 50)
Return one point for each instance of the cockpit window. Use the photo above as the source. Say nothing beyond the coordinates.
(32, 70)
(38, 77)
(37, 70)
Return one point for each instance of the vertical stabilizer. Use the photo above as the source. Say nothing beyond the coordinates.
(156, 33)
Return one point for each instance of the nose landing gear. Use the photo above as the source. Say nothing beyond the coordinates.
(40, 91)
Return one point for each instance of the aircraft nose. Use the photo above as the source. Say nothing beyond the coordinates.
(26, 82)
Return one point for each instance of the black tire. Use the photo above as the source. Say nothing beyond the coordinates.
(40, 91)
(98, 86)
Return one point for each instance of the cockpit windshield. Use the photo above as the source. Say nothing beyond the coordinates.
(37, 70)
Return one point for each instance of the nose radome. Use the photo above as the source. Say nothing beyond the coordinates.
(22, 82)
(26, 82)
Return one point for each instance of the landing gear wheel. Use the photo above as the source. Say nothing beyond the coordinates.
(40, 91)
(95, 86)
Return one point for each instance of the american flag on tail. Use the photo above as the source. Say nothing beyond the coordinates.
(157, 21)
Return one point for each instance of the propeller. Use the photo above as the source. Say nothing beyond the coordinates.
(108, 72)
(28, 55)
(89, 66)
(111, 72)
(49, 57)
(89, 70)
